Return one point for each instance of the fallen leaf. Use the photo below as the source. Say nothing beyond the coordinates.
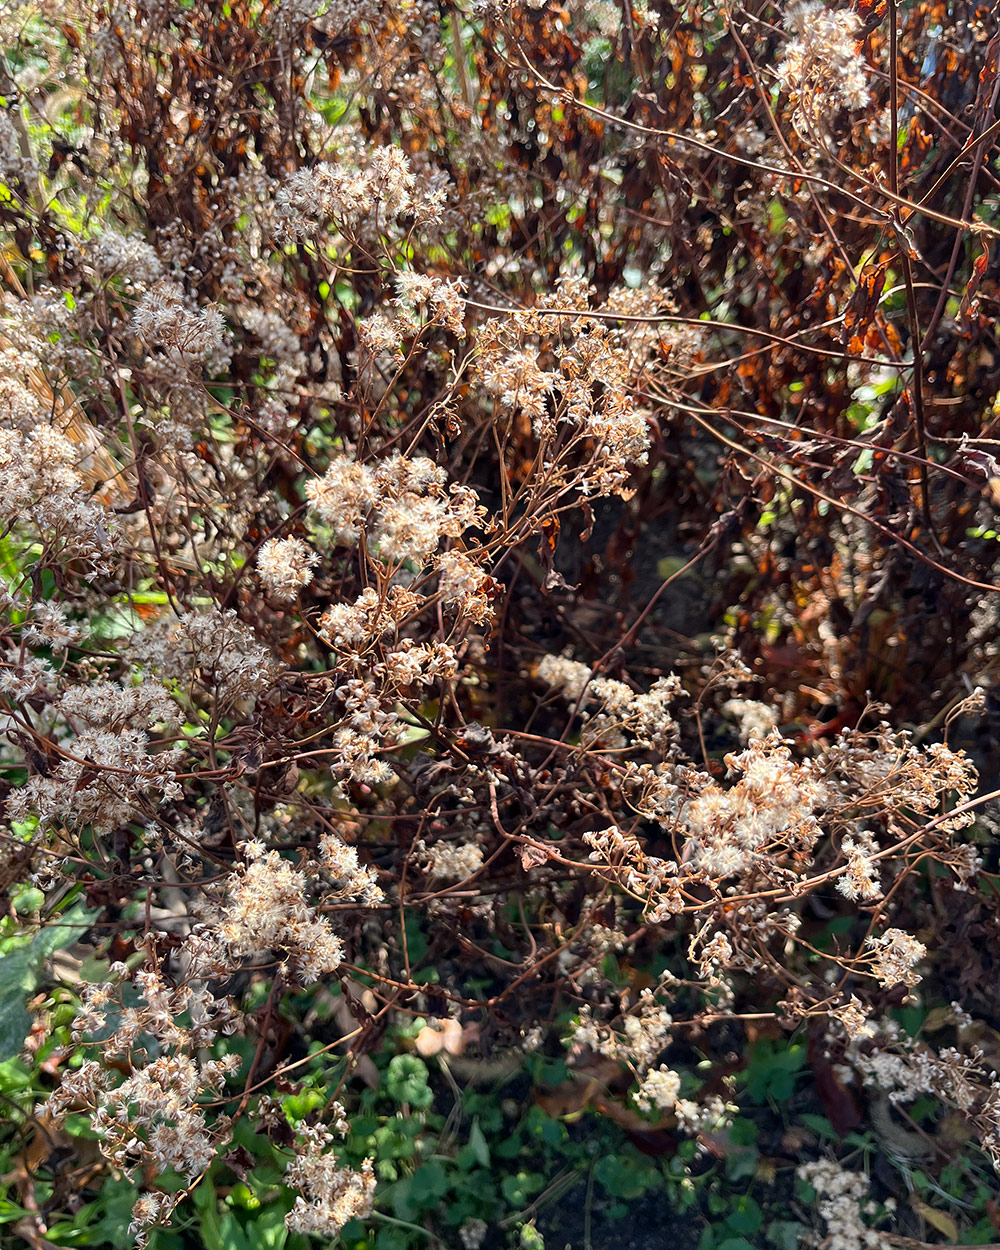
(937, 1219)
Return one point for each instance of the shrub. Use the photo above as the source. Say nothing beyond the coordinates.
(359, 363)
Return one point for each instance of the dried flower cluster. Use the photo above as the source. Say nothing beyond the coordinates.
(823, 65)
(844, 1206)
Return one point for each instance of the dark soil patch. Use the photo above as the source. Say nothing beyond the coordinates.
(650, 1224)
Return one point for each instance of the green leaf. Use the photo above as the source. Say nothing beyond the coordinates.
(401, 1200)
(209, 1224)
(508, 1147)
(266, 1229)
(231, 1231)
(785, 1234)
(393, 1238)
(473, 1197)
(625, 1177)
(519, 1189)
(820, 1125)
(742, 1132)
(911, 1018)
(17, 980)
(772, 1070)
(741, 1162)
(416, 942)
(10, 1211)
(62, 933)
(20, 969)
(386, 1170)
(298, 1106)
(863, 462)
(243, 1196)
(531, 1238)
(478, 1143)
(746, 1216)
(429, 1184)
(406, 1081)
(118, 1198)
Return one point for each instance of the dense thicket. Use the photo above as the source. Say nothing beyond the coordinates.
(499, 566)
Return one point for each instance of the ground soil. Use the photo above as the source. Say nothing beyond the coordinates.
(650, 1224)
